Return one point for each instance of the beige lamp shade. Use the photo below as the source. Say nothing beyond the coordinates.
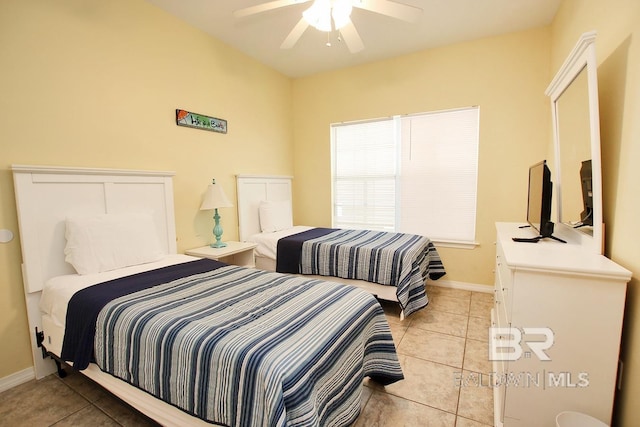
(215, 198)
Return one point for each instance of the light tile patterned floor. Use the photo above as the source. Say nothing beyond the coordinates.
(442, 348)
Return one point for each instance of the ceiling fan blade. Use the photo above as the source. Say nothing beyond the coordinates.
(352, 38)
(295, 34)
(264, 7)
(400, 11)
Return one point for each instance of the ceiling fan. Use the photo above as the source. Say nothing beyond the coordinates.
(330, 15)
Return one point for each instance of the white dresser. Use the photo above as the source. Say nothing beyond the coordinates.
(559, 302)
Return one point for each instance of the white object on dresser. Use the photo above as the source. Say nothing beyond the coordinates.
(236, 253)
(571, 295)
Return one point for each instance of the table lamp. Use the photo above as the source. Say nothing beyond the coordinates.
(215, 198)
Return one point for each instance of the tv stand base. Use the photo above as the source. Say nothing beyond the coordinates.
(536, 239)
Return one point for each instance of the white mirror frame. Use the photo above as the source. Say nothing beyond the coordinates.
(582, 56)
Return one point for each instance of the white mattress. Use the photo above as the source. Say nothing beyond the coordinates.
(57, 292)
(268, 242)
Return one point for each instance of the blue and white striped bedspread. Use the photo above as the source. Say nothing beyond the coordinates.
(396, 259)
(244, 347)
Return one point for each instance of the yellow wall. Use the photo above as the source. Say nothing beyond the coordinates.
(506, 76)
(96, 84)
(618, 54)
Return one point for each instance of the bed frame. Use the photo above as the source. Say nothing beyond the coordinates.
(251, 190)
(44, 197)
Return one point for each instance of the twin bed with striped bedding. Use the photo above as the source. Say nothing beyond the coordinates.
(236, 346)
(391, 259)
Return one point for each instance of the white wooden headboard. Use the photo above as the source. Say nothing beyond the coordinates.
(251, 190)
(46, 195)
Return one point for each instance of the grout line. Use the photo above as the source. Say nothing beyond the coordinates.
(464, 354)
(418, 403)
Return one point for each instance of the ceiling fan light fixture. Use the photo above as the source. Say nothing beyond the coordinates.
(341, 13)
(319, 15)
(330, 15)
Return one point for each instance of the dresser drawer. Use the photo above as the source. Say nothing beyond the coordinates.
(503, 284)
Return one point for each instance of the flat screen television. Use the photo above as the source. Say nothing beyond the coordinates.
(539, 201)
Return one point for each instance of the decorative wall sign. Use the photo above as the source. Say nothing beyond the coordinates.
(199, 121)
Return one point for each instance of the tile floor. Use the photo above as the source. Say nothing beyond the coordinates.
(443, 350)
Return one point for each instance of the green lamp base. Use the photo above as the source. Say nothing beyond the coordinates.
(217, 231)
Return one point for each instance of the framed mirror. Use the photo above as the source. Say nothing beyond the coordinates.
(576, 131)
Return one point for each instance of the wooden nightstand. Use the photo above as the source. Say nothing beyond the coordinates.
(236, 253)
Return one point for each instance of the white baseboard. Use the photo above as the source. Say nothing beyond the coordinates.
(17, 378)
(475, 287)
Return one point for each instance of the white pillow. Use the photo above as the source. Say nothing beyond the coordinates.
(110, 241)
(275, 215)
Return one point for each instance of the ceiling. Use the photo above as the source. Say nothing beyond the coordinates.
(443, 22)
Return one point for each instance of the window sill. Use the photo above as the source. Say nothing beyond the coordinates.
(455, 245)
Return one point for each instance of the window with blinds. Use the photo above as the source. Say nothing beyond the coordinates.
(414, 174)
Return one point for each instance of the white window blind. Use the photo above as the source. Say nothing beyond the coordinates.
(439, 172)
(414, 174)
(364, 175)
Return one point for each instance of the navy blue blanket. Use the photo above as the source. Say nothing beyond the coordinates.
(85, 305)
(289, 249)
